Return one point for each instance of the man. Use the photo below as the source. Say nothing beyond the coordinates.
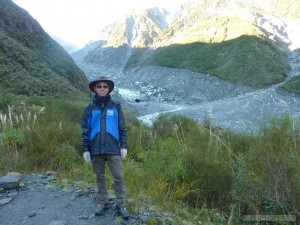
(104, 138)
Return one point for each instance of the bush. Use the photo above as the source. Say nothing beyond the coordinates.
(265, 178)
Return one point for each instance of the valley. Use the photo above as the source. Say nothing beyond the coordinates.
(151, 89)
(228, 106)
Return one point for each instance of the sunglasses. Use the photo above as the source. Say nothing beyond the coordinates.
(100, 86)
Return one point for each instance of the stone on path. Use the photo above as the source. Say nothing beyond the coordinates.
(32, 213)
(57, 223)
(10, 181)
(5, 201)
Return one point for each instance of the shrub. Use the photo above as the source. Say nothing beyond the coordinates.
(265, 178)
(12, 141)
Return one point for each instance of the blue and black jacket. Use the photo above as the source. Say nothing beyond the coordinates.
(103, 128)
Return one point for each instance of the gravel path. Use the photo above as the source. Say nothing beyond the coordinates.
(40, 202)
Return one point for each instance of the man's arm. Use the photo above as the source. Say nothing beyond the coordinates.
(122, 129)
(85, 131)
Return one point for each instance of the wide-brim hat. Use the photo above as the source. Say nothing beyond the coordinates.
(110, 83)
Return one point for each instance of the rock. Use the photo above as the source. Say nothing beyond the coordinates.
(16, 174)
(111, 197)
(79, 193)
(51, 173)
(144, 218)
(91, 216)
(57, 223)
(10, 181)
(32, 213)
(5, 201)
(85, 217)
(13, 193)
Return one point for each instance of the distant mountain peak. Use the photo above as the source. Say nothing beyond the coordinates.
(137, 29)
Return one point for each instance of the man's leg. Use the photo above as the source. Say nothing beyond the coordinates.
(99, 169)
(116, 168)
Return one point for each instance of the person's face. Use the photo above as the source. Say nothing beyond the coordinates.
(101, 89)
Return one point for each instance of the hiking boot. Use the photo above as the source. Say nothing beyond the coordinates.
(123, 212)
(100, 209)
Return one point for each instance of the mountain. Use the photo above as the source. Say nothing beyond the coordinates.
(31, 62)
(112, 47)
(236, 41)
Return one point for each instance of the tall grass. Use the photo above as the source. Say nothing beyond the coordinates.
(201, 173)
(218, 175)
(266, 178)
(40, 134)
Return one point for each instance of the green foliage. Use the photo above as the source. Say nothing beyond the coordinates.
(265, 175)
(292, 85)
(45, 133)
(135, 58)
(31, 63)
(218, 171)
(12, 141)
(247, 60)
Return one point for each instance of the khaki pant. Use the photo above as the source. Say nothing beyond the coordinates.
(115, 165)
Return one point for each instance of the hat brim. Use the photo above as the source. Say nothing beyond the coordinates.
(110, 84)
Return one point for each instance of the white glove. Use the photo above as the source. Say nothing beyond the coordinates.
(87, 157)
(123, 153)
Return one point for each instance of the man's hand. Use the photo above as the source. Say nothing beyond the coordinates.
(123, 153)
(87, 157)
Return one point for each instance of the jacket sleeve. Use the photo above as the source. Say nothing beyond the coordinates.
(85, 130)
(122, 129)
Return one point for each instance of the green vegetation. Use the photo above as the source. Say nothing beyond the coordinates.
(247, 60)
(31, 63)
(207, 28)
(292, 85)
(135, 58)
(199, 172)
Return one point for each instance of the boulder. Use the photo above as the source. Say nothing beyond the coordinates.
(10, 181)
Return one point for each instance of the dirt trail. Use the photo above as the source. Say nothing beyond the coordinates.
(40, 202)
